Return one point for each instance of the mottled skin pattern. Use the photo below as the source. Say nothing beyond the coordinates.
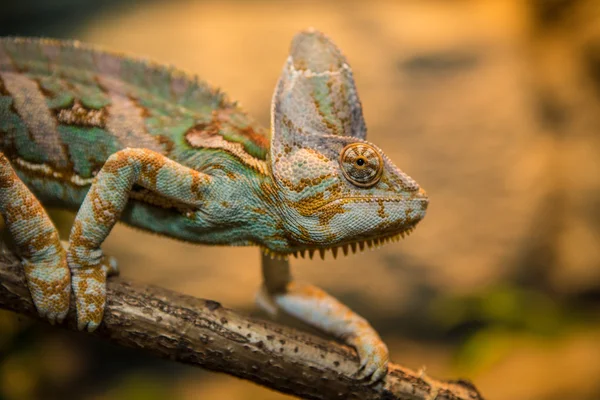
(120, 139)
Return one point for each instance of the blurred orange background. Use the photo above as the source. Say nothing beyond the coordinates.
(493, 106)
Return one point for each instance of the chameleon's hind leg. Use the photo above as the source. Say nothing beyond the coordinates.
(101, 209)
(317, 308)
(38, 245)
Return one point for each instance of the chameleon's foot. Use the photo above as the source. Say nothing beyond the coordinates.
(89, 287)
(37, 243)
(373, 354)
(315, 307)
(50, 289)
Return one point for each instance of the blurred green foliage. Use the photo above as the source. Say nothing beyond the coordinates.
(500, 317)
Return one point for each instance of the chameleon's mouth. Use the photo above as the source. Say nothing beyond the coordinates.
(346, 248)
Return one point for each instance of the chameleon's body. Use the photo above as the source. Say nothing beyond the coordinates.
(116, 138)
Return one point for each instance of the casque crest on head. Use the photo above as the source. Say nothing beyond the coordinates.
(316, 94)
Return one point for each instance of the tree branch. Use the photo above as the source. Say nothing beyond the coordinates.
(203, 333)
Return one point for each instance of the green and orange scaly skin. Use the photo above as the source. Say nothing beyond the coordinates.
(120, 139)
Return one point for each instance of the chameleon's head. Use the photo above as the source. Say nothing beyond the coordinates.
(335, 188)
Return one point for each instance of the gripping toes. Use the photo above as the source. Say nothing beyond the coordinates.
(37, 243)
(102, 208)
(315, 307)
(89, 287)
(373, 354)
(50, 287)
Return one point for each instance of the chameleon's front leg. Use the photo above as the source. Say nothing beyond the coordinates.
(102, 208)
(317, 308)
(38, 245)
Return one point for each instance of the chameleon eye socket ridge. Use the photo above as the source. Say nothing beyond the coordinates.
(361, 164)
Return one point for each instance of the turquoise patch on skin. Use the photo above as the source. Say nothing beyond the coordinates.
(48, 191)
(91, 96)
(60, 95)
(231, 132)
(322, 95)
(156, 110)
(12, 126)
(72, 195)
(174, 129)
(81, 140)
(173, 184)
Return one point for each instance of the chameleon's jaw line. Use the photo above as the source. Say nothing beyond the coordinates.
(346, 248)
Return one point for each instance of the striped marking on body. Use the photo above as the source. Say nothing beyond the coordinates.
(48, 171)
(200, 139)
(30, 105)
(125, 120)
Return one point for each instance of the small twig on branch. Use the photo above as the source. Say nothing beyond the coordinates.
(202, 332)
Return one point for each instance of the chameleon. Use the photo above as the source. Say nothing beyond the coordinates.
(118, 138)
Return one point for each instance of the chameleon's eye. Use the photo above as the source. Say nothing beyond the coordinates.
(361, 164)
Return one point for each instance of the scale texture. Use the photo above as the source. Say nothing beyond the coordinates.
(116, 138)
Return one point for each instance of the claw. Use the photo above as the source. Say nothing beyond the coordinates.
(50, 317)
(53, 308)
(379, 374)
(61, 317)
(84, 319)
(89, 326)
(91, 302)
(55, 317)
(373, 355)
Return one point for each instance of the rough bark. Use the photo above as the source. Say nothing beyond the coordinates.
(203, 333)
